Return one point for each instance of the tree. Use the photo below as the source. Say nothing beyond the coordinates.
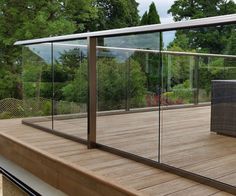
(230, 49)
(231, 45)
(144, 19)
(210, 39)
(84, 13)
(37, 19)
(112, 84)
(192, 9)
(217, 39)
(151, 60)
(116, 14)
(151, 17)
(26, 20)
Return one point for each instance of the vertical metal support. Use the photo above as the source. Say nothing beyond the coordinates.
(191, 72)
(127, 93)
(196, 80)
(160, 85)
(92, 94)
(169, 75)
(53, 94)
(147, 69)
(147, 63)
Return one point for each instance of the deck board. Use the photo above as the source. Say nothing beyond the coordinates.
(201, 152)
(186, 140)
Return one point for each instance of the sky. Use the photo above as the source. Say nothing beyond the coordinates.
(162, 6)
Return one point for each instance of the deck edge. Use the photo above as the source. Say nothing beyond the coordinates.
(54, 170)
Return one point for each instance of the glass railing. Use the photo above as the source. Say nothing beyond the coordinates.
(188, 141)
(143, 92)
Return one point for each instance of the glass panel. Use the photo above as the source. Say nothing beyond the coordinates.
(127, 83)
(178, 77)
(198, 133)
(37, 83)
(70, 87)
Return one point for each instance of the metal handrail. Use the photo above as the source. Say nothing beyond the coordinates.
(210, 21)
(24, 187)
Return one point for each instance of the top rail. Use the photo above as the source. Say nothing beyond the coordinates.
(210, 21)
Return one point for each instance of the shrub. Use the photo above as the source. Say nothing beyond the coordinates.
(5, 115)
(181, 93)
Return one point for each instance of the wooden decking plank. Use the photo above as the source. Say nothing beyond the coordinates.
(195, 191)
(230, 179)
(123, 170)
(76, 156)
(164, 188)
(221, 193)
(151, 180)
(74, 147)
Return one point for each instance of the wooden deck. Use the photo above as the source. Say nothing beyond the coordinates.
(186, 140)
(118, 172)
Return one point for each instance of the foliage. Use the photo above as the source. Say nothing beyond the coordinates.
(47, 108)
(112, 84)
(9, 84)
(5, 115)
(49, 18)
(176, 67)
(64, 107)
(116, 14)
(215, 40)
(211, 71)
(231, 50)
(192, 9)
(231, 44)
(181, 93)
(151, 17)
(144, 19)
(150, 66)
(83, 13)
(25, 20)
(211, 39)
(151, 61)
(181, 43)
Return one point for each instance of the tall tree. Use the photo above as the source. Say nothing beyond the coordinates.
(151, 17)
(151, 60)
(144, 19)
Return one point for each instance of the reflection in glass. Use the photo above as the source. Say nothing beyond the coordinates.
(128, 79)
(190, 64)
(70, 84)
(37, 81)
